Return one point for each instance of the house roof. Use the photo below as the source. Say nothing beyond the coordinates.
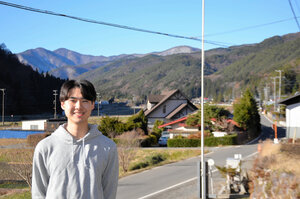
(165, 96)
(173, 122)
(177, 110)
(155, 98)
(169, 94)
(184, 118)
(291, 100)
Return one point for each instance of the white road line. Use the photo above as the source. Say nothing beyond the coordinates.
(189, 180)
(252, 154)
(176, 185)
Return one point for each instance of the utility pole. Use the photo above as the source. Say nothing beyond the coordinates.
(3, 93)
(279, 92)
(55, 94)
(275, 101)
(98, 98)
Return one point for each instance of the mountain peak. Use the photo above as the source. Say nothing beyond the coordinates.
(178, 50)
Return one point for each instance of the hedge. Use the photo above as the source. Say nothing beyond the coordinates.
(33, 139)
(208, 141)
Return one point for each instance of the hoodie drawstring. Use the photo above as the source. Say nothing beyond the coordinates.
(84, 153)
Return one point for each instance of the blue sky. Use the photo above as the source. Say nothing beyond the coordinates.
(22, 30)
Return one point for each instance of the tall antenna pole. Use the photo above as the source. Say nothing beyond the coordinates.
(55, 94)
(279, 92)
(202, 108)
(3, 93)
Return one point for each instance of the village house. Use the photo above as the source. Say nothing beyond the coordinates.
(168, 107)
(180, 128)
(292, 114)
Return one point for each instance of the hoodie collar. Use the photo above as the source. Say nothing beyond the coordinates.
(65, 136)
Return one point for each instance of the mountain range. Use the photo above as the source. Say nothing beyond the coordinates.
(227, 70)
(66, 63)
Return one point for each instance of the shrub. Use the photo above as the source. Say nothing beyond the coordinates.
(155, 159)
(146, 141)
(151, 160)
(111, 126)
(139, 165)
(216, 141)
(184, 142)
(153, 139)
(208, 141)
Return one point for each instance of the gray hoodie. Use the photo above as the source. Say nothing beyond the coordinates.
(64, 167)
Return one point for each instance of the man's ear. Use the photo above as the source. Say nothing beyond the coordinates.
(62, 105)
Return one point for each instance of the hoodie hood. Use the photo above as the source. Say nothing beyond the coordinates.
(65, 136)
(78, 144)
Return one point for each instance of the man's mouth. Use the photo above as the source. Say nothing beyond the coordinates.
(79, 114)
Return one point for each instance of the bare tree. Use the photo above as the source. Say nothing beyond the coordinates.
(128, 143)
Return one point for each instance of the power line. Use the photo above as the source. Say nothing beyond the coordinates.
(294, 14)
(249, 27)
(108, 24)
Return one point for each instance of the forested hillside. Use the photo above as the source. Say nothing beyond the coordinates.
(227, 71)
(26, 91)
(256, 69)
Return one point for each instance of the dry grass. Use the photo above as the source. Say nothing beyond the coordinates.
(276, 171)
(96, 119)
(286, 157)
(172, 155)
(7, 142)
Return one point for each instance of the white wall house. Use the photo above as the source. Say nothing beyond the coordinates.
(34, 125)
(292, 113)
(178, 127)
(168, 107)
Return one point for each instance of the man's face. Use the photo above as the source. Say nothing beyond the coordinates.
(77, 109)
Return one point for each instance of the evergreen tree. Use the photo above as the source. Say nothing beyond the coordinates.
(246, 113)
(157, 130)
(138, 120)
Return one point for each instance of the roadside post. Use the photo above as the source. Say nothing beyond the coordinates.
(275, 132)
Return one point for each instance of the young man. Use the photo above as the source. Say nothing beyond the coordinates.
(76, 161)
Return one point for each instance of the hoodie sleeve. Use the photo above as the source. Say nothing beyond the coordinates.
(111, 175)
(40, 176)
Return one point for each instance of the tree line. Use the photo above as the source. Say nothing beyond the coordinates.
(26, 91)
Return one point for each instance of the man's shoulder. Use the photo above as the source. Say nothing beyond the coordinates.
(46, 142)
(107, 141)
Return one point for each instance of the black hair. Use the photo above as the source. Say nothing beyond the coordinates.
(87, 89)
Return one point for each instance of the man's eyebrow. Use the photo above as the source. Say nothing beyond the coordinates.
(76, 98)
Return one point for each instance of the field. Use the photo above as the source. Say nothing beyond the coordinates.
(275, 172)
(16, 158)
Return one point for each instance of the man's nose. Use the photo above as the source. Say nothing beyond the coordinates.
(78, 104)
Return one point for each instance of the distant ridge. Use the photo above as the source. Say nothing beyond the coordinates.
(58, 62)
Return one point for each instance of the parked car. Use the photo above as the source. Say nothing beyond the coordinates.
(163, 140)
(165, 133)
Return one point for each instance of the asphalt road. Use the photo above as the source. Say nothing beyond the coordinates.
(179, 180)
